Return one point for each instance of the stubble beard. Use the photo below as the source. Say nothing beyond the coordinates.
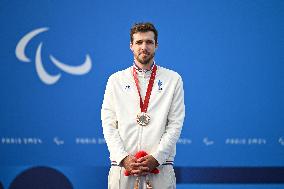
(146, 60)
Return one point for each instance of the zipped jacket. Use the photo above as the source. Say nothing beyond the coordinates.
(121, 105)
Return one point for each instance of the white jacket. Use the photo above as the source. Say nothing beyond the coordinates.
(121, 105)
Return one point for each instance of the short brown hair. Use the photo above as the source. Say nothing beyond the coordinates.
(143, 27)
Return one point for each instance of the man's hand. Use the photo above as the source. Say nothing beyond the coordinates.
(145, 165)
(128, 162)
(131, 165)
(148, 161)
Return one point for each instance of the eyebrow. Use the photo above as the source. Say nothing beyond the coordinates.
(141, 40)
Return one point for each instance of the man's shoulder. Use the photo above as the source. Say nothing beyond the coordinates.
(121, 74)
(169, 73)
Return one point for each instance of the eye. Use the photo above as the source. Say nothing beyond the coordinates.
(138, 42)
(150, 42)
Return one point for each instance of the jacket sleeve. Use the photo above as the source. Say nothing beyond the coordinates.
(109, 124)
(173, 128)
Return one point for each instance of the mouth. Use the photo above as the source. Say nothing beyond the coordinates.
(144, 53)
(144, 56)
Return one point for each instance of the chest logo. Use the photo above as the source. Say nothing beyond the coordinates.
(127, 87)
(160, 83)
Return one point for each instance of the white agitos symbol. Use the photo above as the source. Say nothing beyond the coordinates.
(281, 141)
(208, 142)
(44, 75)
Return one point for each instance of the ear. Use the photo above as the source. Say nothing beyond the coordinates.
(156, 46)
(130, 46)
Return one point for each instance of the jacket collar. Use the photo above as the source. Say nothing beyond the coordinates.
(143, 70)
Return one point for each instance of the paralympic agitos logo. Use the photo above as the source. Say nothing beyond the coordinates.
(44, 76)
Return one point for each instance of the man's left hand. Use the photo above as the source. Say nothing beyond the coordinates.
(148, 161)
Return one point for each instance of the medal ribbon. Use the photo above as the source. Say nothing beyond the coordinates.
(144, 105)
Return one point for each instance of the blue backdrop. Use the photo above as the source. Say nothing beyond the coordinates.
(56, 57)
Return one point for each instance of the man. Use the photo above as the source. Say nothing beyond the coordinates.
(143, 110)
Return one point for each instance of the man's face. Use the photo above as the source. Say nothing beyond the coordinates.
(143, 47)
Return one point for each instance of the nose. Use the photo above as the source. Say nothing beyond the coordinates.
(143, 46)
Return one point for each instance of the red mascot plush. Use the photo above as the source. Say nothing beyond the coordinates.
(139, 155)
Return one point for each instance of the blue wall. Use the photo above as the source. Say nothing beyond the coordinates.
(229, 53)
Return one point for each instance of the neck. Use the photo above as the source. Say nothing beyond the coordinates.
(144, 66)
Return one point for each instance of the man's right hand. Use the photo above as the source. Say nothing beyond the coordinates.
(128, 162)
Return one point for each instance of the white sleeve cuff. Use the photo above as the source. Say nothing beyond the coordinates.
(121, 157)
(159, 158)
